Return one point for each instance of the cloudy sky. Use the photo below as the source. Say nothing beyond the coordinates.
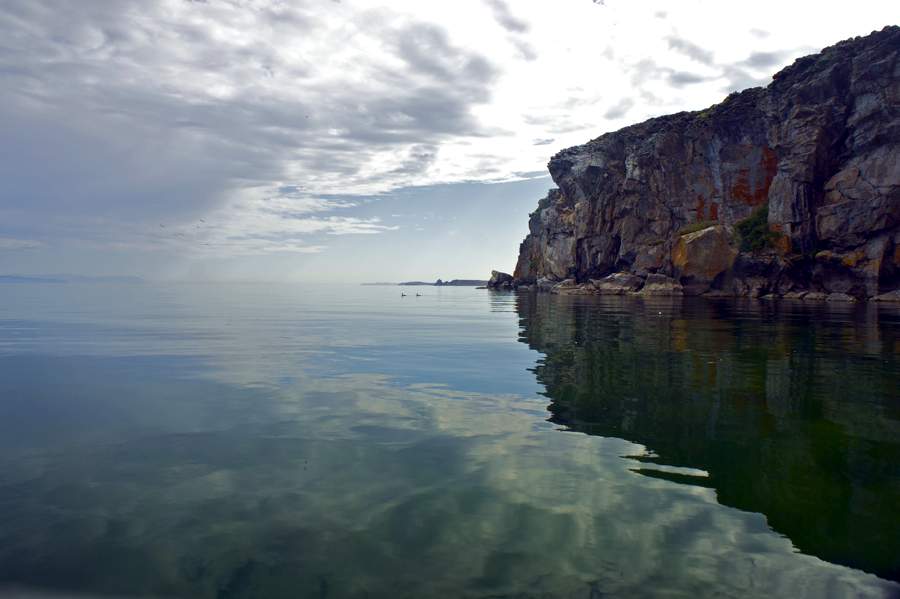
(341, 139)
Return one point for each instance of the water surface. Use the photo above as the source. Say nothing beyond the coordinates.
(230, 441)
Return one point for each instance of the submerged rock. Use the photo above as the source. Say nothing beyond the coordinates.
(789, 188)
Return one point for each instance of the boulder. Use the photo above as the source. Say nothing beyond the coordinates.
(582, 289)
(703, 255)
(660, 285)
(618, 283)
(795, 295)
(890, 296)
(545, 284)
(839, 297)
(565, 287)
(500, 280)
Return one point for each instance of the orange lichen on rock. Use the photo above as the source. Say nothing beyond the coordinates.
(752, 184)
(853, 259)
(782, 244)
(703, 255)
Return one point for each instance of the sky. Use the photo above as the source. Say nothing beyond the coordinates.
(341, 140)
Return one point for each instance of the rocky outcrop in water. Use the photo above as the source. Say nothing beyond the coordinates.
(791, 189)
(500, 280)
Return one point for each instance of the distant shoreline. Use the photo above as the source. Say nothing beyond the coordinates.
(63, 279)
(438, 283)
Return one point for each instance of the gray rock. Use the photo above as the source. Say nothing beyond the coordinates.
(545, 284)
(500, 280)
(618, 283)
(583, 289)
(795, 295)
(891, 296)
(657, 284)
(718, 293)
(564, 287)
(840, 297)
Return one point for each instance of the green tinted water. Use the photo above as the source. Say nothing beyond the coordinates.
(239, 441)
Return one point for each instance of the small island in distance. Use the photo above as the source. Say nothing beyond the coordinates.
(438, 283)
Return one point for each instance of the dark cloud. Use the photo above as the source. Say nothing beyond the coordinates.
(648, 70)
(739, 79)
(418, 158)
(767, 60)
(619, 109)
(690, 49)
(680, 79)
(506, 18)
(428, 51)
(127, 113)
(526, 50)
(543, 142)
(516, 27)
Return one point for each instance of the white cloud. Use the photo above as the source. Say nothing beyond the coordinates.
(137, 112)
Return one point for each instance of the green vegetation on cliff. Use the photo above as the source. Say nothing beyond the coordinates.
(753, 231)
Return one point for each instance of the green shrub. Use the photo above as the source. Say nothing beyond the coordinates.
(753, 231)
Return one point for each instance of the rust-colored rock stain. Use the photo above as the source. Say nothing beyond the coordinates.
(748, 188)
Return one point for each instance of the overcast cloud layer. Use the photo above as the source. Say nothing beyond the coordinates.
(184, 132)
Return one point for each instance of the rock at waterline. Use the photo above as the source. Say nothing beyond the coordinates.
(500, 280)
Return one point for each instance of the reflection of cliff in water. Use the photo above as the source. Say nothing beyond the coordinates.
(791, 409)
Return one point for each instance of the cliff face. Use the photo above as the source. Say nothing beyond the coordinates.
(786, 189)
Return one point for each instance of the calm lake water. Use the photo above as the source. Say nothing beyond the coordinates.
(236, 441)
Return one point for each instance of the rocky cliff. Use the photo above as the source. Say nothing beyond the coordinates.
(791, 189)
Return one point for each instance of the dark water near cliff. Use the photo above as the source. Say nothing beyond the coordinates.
(246, 441)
